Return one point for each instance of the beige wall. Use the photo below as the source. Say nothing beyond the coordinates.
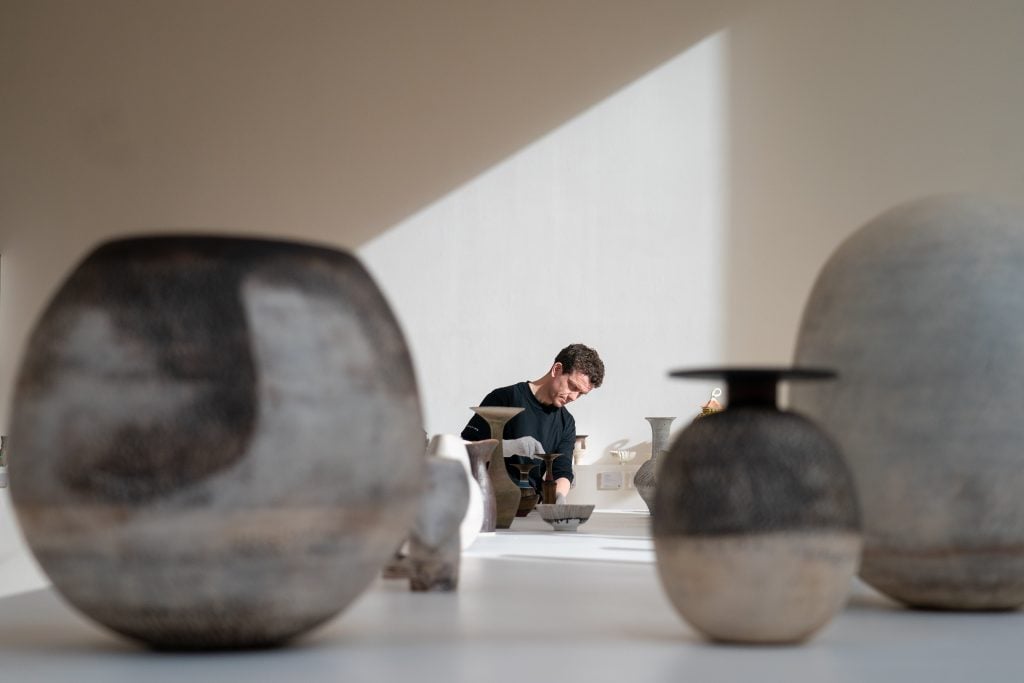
(330, 120)
(841, 109)
(352, 123)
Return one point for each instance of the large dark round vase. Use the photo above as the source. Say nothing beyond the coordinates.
(219, 440)
(921, 312)
(756, 524)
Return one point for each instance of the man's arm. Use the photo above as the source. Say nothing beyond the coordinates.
(562, 466)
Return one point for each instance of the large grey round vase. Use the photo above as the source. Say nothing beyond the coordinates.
(219, 440)
(756, 524)
(921, 311)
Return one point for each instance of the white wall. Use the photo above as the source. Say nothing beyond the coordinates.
(607, 231)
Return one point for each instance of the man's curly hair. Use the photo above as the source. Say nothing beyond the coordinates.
(581, 358)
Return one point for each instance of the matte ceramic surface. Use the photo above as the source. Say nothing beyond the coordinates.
(506, 492)
(921, 312)
(757, 529)
(479, 460)
(452, 447)
(434, 546)
(646, 478)
(566, 517)
(218, 440)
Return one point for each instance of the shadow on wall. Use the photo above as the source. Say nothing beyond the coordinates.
(318, 120)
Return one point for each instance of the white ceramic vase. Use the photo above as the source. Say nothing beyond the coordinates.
(452, 447)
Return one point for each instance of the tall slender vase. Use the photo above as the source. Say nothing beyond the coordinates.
(645, 478)
(506, 491)
(757, 534)
(527, 494)
(479, 458)
(548, 491)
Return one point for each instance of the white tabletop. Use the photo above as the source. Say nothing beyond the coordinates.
(533, 604)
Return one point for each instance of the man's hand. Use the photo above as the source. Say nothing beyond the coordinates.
(524, 445)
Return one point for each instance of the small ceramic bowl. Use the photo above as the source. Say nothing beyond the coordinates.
(565, 517)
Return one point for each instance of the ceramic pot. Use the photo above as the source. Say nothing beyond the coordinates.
(757, 526)
(452, 447)
(549, 490)
(646, 477)
(921, 312)
(479, 459)
(506, 492)
(219, 439)
(434, 545)
(527, 494)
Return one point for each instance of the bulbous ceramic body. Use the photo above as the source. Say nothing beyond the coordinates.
(921, 312)
(219, 439)
(756, 528)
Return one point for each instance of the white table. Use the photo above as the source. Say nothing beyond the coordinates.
(535, 605)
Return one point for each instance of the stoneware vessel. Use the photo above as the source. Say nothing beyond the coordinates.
(756, 532)
(452, 447)
(646, 477)
(528, 496)
(549, 490)
(566, 517)
(434, 546)
(479, 460)
(219, 439)
(506, 492)
(921, 311)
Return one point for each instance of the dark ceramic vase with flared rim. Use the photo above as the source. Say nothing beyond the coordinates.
(757, 530)
(506, 491)
(163, 386)
(527, 494)
(549, 491)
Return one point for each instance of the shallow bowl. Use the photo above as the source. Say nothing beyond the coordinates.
(565, 517)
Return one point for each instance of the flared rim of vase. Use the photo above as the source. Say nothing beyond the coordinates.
(496, 411)
(762, 373)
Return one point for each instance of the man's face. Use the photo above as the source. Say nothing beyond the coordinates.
(567, 387)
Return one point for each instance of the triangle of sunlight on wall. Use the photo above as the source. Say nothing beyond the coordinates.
(606, 231)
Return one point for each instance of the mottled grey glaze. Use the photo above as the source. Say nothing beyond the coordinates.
(219, 440)
(921, 312)
(434, 546)
(754, 470)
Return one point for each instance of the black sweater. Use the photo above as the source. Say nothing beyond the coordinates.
(554, 427)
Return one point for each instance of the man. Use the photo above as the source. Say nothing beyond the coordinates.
(544, 426)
